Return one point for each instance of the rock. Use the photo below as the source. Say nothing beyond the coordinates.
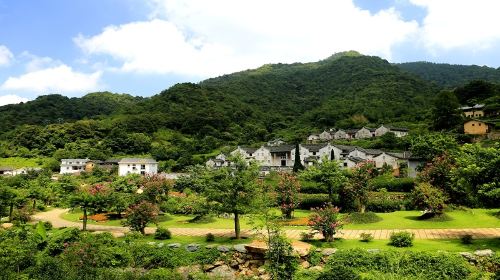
(318, 250)
(210, 246)
(185, 271)
(174, 245)
(301, 248)
(223, 272)
(261, 270)
(305, 264)
(484, 253)
(223, 248)
(151, 243)
(118, 234)
(265, 277)
(240, 248)
(316, 268)
(329, 251)
(373, 250)
(7, 225)
(234, 264)
(192, 247)
(160, 245)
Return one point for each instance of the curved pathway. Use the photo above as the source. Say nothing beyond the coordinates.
(54, 216)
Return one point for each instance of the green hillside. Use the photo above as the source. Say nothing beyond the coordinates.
(185, 123)
(449, 75)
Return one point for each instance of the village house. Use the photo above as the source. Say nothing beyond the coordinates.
(73, 165)
(364, 132)
(351, 162)
(313, 138)
(340, 134)
(4, 170)
(476, 111)
(477, 127)
(398, 131)
(142, 166)
(276, 142)
(325, 136)
(245, 152)
(217, 162)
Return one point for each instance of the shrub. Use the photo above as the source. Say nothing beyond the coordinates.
(210, 237)
(308, 201)
(47, 225)
(281, 262)
(314, 258)
(392, 184)
(402, 239)
(466, 239)
(366, 237)
(306, 236)
(429, 198)
(364, 218)
(339, 273)
(162, 234)
(326, 220)
(287, 194)
(424, 265)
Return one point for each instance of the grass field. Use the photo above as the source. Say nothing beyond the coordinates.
(473, 218)
(18, 162)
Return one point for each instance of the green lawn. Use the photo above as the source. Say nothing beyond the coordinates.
(474, 218)
(18, 162)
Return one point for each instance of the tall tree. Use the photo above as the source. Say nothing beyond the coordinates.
(446, 114)
(233, 188)
(297, 165)
(328, 174)
(359, 183)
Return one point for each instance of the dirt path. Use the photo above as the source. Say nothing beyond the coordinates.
(54, 216)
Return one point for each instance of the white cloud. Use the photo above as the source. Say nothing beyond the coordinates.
(451, 24)
(5, 56)
(11, 99)
(58, 79)
(207, 38)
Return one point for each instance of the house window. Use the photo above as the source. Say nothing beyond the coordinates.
(314, 153)
(250, 154)
(479, 124)
(472, 124)
(143, 172)
(345, 164)
(143, 166)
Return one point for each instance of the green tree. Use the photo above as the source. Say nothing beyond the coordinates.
(328, 175)
(359, 183)
(139, 215)
(233, 188)
(428, 146)
(91, 199)
(297, 165)
(429, 198)
(446, 114)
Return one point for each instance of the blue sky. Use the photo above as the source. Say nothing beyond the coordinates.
(144, 46)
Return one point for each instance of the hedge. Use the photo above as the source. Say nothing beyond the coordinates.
(308, 201)
(393, 184)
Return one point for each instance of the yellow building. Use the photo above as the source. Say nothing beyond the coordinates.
(475, 111)
(477, 127)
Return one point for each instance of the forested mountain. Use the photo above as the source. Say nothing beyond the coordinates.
(56, 108)
(449, 75)
(187, 122)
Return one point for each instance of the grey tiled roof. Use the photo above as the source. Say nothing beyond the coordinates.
(314, 147)
(137, 160)
(281, 148)
(249, 150)
(356, 159)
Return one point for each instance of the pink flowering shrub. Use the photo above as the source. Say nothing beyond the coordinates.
(287, 194)
(326, 220)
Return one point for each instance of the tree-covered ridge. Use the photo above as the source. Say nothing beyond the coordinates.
(449, 75)
(55, 108)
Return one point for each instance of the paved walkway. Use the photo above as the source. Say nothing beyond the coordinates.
(54, 216)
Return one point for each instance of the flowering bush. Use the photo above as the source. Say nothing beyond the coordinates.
(287, 194)
(139, 215)
(326, 220)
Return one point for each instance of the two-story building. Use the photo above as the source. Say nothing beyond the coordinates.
(142, 166)
(73, 165)
(476, 111)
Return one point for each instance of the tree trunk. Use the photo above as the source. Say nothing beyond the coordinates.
(34, 205)
(236, 225)
(84, 219)
(142, 231)
(11, 211)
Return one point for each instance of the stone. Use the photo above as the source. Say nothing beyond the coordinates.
(7, 225)
(318, 250)
(118, 234)
(316, 268)
(210, 246)
(329, 251)
(261, 270)
(265, 277)
(301, 248)
(373, 250)
(174, 245)
(192, 247)
(240, 248)
(185, 271)
(484, 253)
(305, 264)
(223, 272)
(151, 243)
(234, 264)
(223, 248)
